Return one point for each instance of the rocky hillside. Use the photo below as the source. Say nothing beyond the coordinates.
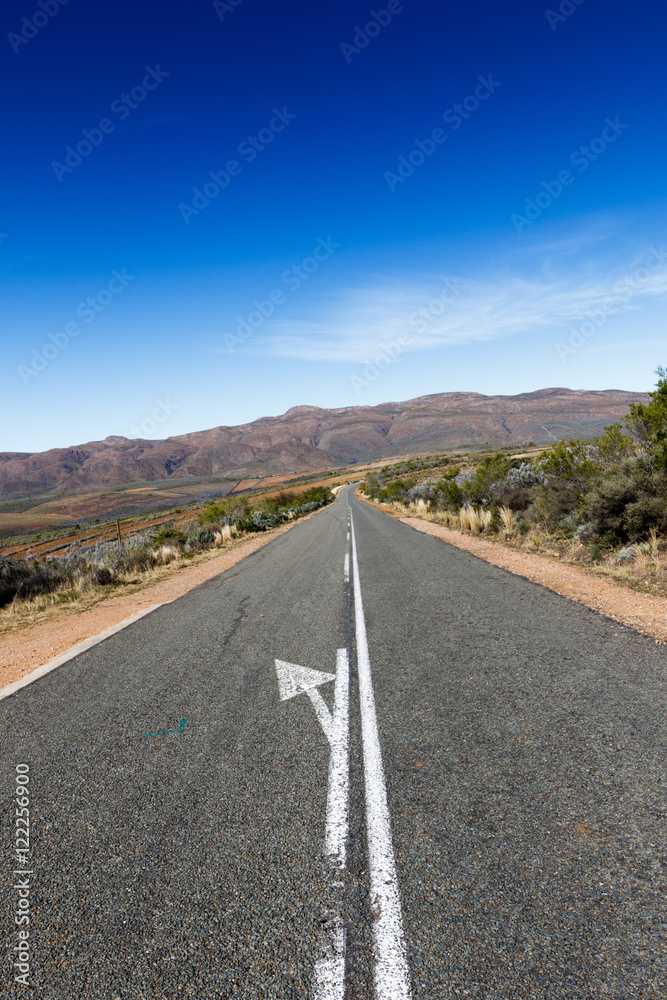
(309, 438)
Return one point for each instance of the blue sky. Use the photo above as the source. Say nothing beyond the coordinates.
(214, 213)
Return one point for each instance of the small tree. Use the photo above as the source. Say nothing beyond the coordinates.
(647, 422)
(614, 446)
(570, 460)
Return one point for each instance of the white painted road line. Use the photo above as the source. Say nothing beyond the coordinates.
(335, 841)
(392, 977)
(46, 668)
(346, 567)
(330, 971)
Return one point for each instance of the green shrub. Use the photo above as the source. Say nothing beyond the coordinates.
(228, 511)
(614, 446)
(628, 502)
(648, 422)
(167, 535)
(573, 460)
(557, 500)
(201, 538)
(449, 495)
(20, 579)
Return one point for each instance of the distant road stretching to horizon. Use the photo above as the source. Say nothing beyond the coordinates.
(360, 765)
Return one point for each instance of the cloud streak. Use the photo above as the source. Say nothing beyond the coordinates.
(503, 305)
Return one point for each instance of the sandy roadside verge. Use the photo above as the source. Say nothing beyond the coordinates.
(644, 612)
(28, 648)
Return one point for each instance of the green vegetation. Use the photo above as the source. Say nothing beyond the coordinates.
(601, 501)
(229, 511)
(167, 535)
(237, 513)
(648, 423)
(66, 578)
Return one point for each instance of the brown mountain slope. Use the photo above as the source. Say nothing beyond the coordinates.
(307, 437)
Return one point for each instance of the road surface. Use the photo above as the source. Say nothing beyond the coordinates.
(359, 764)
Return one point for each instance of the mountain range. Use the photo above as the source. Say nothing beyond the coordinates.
(308, 438)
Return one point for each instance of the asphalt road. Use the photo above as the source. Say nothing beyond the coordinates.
(522, 742)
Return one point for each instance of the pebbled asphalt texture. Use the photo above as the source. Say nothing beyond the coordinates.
(523, 740)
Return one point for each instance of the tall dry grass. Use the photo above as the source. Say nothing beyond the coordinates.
(167, 554)
(653, 543)
(224, 535)
(485, 517)
(470, 520)
(450, 519)
(419, 507)
(508, 521)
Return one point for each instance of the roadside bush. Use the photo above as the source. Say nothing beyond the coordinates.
(19, 579)
(448, 495)
(167, 535)
(648, 423)
(571, 460)
(524, 475)
(508, 521)
(628, 502)
(519, 498)
(229, 511)
(200, 539)
(167, 554)
(488, 480)
(557, 500)
(263, 519)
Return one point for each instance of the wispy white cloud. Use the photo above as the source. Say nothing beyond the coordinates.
(363, 321)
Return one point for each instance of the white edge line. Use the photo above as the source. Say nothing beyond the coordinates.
(46, 668)
(337, 807)
(392, 976)
(330, 977)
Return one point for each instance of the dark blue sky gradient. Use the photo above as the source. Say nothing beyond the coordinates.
(321, 176)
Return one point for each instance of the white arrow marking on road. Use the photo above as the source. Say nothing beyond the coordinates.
(330, 971)
(293, 680)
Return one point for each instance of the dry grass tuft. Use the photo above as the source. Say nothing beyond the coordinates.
(166, 554)
(224, 536)
(451, 520)
(485, 517)
(507, 518)
(653, 543)
(470, 520)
